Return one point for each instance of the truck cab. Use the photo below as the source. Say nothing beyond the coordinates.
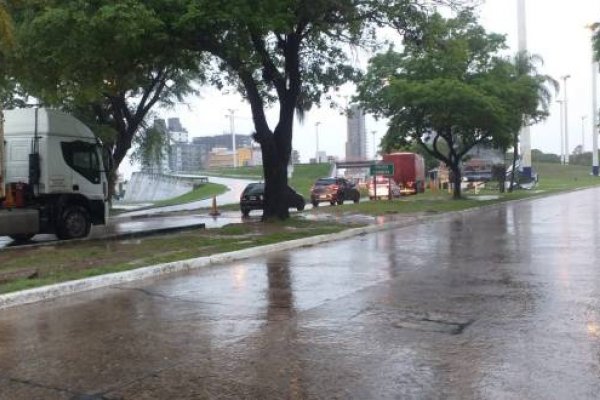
(54, 177)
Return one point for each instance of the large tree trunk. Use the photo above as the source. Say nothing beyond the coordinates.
(275, 172)
(456, 181)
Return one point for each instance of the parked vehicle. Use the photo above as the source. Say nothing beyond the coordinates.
(254, 194)
(53, 179)
(409, 171)
(334, 191)
(383, 186)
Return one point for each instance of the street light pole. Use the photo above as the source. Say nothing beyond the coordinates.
(317, 158)
(525, 135)
(595, 117)
(562, 132)
(566, 105)
(583, 118)
(374, 145)
(232, 129)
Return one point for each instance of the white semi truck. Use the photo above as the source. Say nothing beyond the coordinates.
(52, 177)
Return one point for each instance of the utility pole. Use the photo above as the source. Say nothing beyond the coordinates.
(525, 131)
(232, 130)
(374, 145)
(566, 106)
(595, 118)
(317, 158)
(583, 118)
(562, 132)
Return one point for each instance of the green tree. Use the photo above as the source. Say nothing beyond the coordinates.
(287, 53)
(448, 91)
(151, 147)
(106, 62)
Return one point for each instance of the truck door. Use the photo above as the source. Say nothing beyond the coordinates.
(82, 158)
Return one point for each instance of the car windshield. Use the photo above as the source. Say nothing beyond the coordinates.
(255, 188)
(325, 182)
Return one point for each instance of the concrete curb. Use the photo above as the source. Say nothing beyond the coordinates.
(66, 288)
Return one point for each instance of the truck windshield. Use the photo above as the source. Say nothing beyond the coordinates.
(83, 158)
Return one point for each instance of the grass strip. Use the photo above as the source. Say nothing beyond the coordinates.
(54, 264)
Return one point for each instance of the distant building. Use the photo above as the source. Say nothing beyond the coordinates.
(187, 157)
(225, 141)
(356, 144)
(295, 157)
(220, 157)
(177, 133)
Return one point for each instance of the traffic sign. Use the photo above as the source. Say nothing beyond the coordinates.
(382, 169)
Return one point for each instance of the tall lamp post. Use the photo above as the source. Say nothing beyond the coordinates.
(317, 158)
(583, 118)
(374, 145)
(566, 107)
(525, 135)
(595, 118)
(232, 129)
(562, 132)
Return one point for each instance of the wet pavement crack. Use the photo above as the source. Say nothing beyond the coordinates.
(459, 327)
(40, 385)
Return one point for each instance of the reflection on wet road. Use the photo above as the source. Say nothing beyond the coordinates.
(507, 309)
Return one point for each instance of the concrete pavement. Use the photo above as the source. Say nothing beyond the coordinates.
(506, 309)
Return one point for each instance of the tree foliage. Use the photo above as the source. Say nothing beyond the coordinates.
(107, 62)
(289, 54)
(449, 91)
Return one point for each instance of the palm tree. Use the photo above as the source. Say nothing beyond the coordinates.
(526, 71)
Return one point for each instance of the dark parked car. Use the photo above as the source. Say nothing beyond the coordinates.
(253, 195)
(333, 190)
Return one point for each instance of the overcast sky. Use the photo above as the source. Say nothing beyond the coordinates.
(556, 31)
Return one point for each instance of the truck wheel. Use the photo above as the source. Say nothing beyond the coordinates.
(245, 212)
(22, 237)
(73, 223)
(315, 204)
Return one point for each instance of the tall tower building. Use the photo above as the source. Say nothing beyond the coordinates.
(356, 144)
(178, 133)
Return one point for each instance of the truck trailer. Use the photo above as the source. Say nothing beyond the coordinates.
(53, 177)
(409, 171)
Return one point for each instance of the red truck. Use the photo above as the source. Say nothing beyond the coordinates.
(409, 171)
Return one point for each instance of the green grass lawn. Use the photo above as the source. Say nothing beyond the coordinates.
(74, 260)
(302, 179)
(553, 178)
(206, 191)
(564, 177)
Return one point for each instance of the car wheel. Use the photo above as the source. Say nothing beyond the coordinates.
(73, 223)
(356, 199)
(22, 237)
(315, 204)
(332, 203)
(245, 212)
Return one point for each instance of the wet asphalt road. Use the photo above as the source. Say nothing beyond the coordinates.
(508, 310)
